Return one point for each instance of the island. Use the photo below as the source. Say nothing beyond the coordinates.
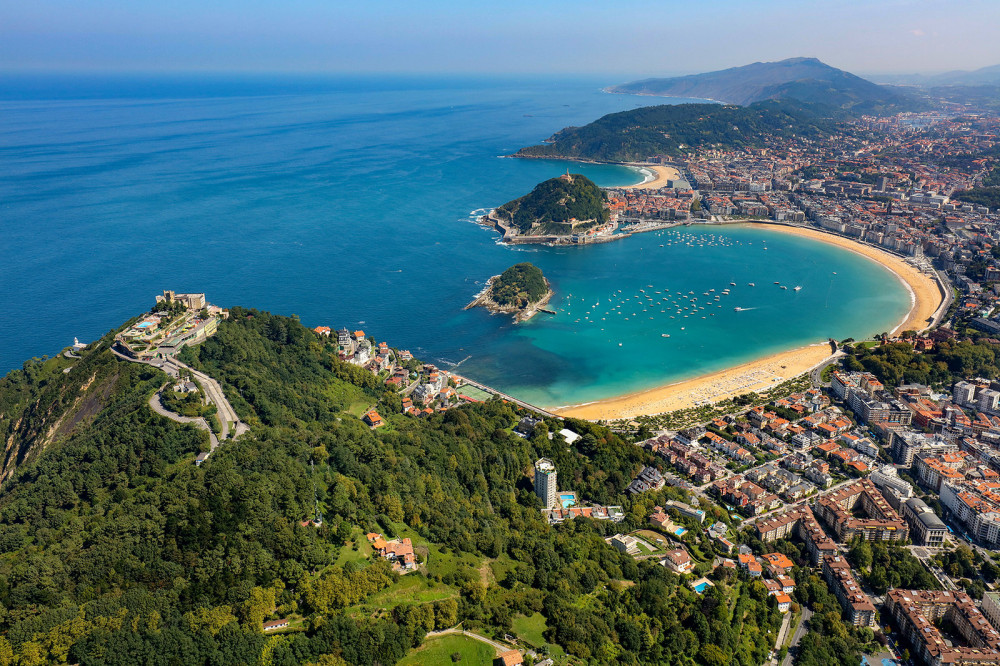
(567, 209)
(520, 290)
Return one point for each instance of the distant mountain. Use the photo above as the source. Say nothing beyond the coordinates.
(638, 134)
(803, 79)
(984, 76)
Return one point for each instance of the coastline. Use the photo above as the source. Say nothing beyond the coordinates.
(763, 373)
(754, 376)
(661, 174)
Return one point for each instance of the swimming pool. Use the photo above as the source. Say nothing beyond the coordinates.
(680, 531)
(567, 499)
(700, 587)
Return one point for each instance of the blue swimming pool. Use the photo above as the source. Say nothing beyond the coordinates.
(567, 499)
(700, 587)
(680, 531)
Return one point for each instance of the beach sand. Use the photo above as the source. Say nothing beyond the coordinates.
(661, 175)
(762, 374)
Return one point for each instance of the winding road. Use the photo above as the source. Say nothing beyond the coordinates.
(213, 392)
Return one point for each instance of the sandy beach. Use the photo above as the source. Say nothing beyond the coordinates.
(764, 373)
(755, 376)
(661, 174)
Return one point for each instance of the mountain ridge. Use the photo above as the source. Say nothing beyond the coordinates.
(803, 79)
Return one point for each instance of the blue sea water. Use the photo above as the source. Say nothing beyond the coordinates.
(350, 201)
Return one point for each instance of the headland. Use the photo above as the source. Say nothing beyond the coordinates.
(764, 373)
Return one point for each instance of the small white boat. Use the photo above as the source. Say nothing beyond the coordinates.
(784, 287)
(751, 284)
(664, 335)
(797, 288)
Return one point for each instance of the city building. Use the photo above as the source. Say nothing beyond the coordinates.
(916, 612)
(925, 527)
(545, 483)
(881, 522)
(857, 605)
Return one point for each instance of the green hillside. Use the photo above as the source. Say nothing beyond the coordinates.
(552, 204)
(116, 549)
(638, 134)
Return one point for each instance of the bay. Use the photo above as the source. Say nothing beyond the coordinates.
(349, 201)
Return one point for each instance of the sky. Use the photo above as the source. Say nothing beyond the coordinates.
(620, 37)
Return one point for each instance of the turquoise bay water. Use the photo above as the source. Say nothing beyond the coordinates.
(348, 202)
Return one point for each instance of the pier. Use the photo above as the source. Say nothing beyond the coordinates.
(519, 403)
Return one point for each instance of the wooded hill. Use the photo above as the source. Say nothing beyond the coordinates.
(520, 285)
(638, 134)
(553, 205)
(116, 549)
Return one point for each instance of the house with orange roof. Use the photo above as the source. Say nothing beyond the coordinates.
(373, 420)
(510, 658)
(322, 330)
(778, 561)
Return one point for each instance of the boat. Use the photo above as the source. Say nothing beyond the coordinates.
(797, 288)
(664, 335)
(784, 287)
(619, 344)
(776, 282)
(739, 309)
(751, 284)
(732, 284)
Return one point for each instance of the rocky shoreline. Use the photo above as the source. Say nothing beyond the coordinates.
(484, 300)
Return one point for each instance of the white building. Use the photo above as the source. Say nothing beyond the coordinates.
(545, 483)
(988, 400)
(991, 607)
(887, 477)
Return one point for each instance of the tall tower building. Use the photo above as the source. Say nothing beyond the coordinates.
(545, 483)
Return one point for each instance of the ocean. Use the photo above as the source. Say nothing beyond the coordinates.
(350, 202)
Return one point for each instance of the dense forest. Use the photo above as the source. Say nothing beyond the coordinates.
(639, 134)
(116, 549)
(519, 285)
(549, 208)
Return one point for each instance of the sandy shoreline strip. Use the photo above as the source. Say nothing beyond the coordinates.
(661, 174)
(762, 374)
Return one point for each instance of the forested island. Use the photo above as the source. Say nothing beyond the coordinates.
(561, 206)
(635, 135)
(520, 290)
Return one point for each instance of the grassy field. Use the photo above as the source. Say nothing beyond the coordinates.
(436, 651)
(529, 629)
(412, 589)
(652, 537)
(348, 554)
